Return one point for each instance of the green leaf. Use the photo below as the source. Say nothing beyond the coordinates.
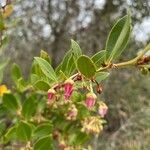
(29, 107)
(15, 72)
(84, 112)
(24, 131)
(81, 138)
(34, 78)
(10, 134)
(41, 85)
(42, 130)
(10, 102)
(3, 110)
(46, 68)
(67, 65)
(44, 143)
(44, 55)
(76, 49)
(86, 66)
(2, 128)
(64, 63)
(118, 38)
(35, 69)
(100, 76)
(16, 76)
(99, 58)
(70, 66)
(2, 25)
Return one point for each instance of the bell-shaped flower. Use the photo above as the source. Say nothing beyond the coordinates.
(68, 88)
(72, 113)
(103, 109)
(51, 95)
(90, 100)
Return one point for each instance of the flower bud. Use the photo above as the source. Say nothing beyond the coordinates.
(68, 88)
(51, 95)
(103, 109)
(90, 100)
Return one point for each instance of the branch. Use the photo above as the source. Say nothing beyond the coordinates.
(132, 62)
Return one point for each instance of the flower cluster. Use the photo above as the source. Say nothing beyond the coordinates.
(92, 125)
(72, 113)
(68, 90)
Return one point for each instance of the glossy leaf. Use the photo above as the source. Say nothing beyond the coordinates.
(77, 52)
(70, 65)
(42, 130)
(16, 72)
(86, 66)
(41, 85)
(81, 138)
(99, 58)
(3, 110)
(35, 69)
(44, 55)
(10, 102)
(44, 143)
(46, 68)
(29, 107)
(10, 134)
(63, 65)
(100, 76)
(24, 131)
(2, 128)
(118, 38)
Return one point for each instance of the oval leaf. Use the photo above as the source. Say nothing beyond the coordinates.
(15, 72)
(99, 58)
(45, 56)
(100, 76)
(76, 49)
(86, 66)
(41, 85)
(10, 102)
(24, 131)
(10, 134)
(44, 143)
(43, 130)
(46, 68)
(29, 107)
(118, 38)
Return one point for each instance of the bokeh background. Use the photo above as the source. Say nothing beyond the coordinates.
(50, 24)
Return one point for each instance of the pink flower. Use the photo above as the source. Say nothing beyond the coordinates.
(103, 109)
(90, 100)
(72, 113)
(51, 95)
(68, 88)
